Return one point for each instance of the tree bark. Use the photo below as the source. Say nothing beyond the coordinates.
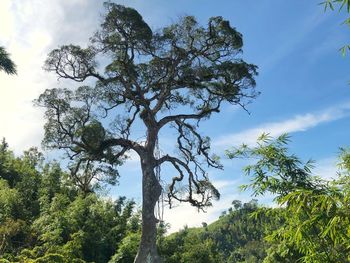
(151, 191)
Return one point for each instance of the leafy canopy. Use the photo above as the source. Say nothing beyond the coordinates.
(174, 77)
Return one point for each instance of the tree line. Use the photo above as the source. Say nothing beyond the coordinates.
(46, 217)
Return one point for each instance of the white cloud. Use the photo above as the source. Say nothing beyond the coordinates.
(29, 30)
(184, 214)
(221, 184)
(7, 20)
(133, 157)
(296, 124)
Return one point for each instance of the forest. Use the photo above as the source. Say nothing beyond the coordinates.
(133, 90)
(46, 218)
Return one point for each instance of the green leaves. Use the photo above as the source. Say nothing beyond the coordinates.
(235, 237)
(185, 66)
(344, 49)
(329, 4)
(317, 211)
(321, 223)
(342, 4)
(276, 170)
(72, 62)
(6, 64)
(124, 29)
(44, 218)
(93, 135)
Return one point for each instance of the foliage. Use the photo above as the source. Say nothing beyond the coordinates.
(236, 236)
(317, 211)
(342, 5)
(275, 170)
(18, 199)
(149, 77)
(59, 223)
(174, 77)
(45, 218)
(127, 249)
(6, 64)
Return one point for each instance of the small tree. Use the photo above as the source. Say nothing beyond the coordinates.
(175, 77)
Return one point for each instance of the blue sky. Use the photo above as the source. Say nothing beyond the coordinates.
(303, 79)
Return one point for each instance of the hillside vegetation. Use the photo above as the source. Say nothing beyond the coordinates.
(45, 218)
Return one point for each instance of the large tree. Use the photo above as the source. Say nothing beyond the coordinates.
(6, 64)
(174, 77)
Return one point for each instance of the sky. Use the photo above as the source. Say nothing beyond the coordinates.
(303, 80)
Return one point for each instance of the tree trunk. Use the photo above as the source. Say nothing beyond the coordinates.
(151, 191)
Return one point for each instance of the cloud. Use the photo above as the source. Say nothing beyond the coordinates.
(296, 124)
(179, 216)
(29, 30)
(184, 214)
(222, 184)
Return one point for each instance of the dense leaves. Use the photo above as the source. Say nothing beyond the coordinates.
(236, 237)
(44, 217)
(6, 64)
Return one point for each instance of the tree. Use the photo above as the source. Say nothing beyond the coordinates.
(6, 64)
(45, 218)
(175, 77)
(19, 184)
(316, 227)
(275, 171)
(238, 236)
